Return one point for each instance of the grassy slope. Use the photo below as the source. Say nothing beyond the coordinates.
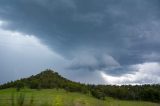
(62, 98)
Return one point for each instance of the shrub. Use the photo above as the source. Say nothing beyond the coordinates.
(32, 100)
(12, 99)
(20, 99)
(98, 94)
(19, 85)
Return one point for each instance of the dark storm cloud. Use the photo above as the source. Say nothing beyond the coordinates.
(125, 30)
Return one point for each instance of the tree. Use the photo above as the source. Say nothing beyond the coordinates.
(19, 85)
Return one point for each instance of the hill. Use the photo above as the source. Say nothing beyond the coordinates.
(49, 79)
(46, 79)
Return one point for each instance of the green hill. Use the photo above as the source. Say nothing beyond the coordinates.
(49, 79)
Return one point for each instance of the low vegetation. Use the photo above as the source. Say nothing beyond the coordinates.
(60, 97)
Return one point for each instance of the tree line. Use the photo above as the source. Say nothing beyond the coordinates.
(51, 79)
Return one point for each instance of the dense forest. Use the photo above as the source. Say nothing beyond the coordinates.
(51, 79)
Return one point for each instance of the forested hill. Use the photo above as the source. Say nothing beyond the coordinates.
(45, 79)
(51, 79)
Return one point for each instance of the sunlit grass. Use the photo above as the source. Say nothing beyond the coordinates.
(53, 97)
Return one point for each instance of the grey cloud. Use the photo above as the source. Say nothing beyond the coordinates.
(85, 76)
(92, 62)
(93, 18)
(124, 30)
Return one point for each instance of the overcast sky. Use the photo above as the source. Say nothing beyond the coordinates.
(90, 41)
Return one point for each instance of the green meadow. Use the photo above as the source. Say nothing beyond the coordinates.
(59, 97)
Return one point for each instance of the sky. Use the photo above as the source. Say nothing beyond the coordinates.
(89, 41)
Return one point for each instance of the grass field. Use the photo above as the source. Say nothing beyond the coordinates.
(53, 97)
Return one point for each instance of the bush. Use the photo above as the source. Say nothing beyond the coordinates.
(19, 85)
(32, 100)
(20, 99)
(98, 94)
(12, 99)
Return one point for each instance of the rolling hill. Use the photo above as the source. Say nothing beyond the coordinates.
(49, 79)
